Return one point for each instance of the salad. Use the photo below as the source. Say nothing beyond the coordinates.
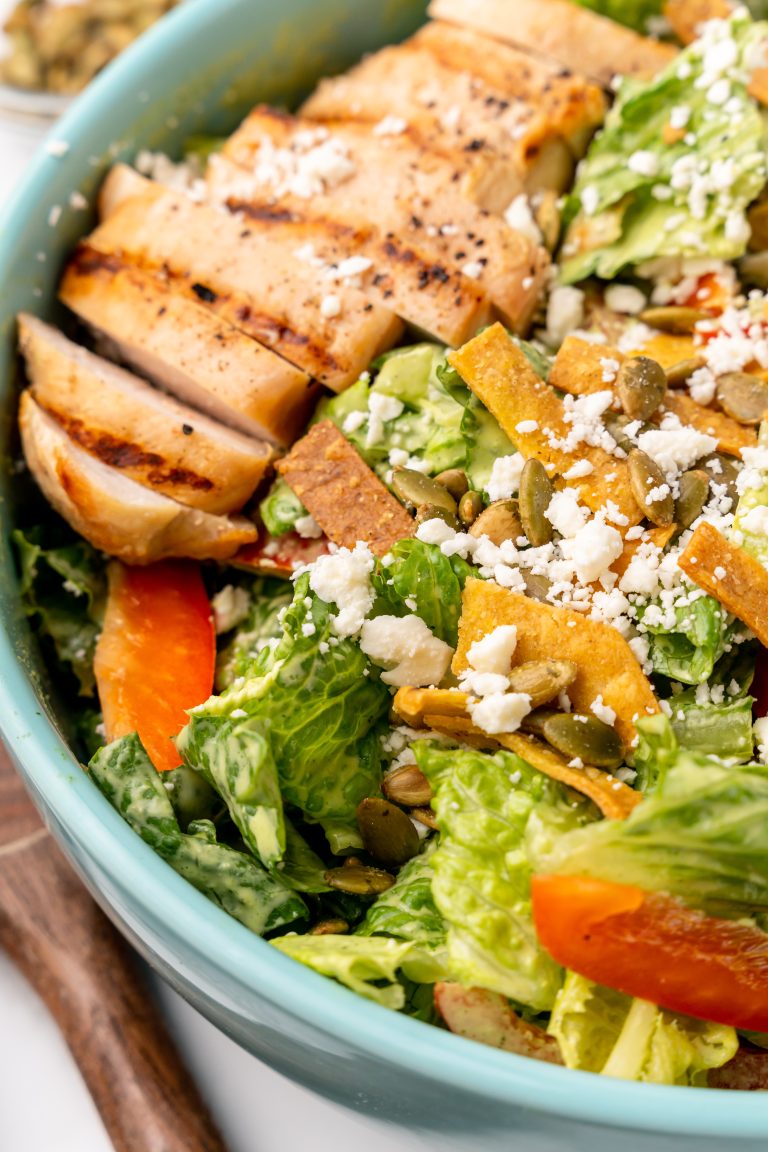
(407, 586)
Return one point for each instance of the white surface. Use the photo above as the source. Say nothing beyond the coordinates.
(44, 1105)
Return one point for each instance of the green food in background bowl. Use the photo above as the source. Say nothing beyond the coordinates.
(197, 74)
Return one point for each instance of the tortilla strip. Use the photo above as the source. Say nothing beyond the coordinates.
(338, 488)
(499, 374)
(685, 16)
(485, 1016)
(606, 663)
(579, 368)
(667, 349)
(731, 436)
(729, 574)
(445, 710)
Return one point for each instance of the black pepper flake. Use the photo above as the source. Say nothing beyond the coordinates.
(204, 293)
(187, 429)
(474, 146)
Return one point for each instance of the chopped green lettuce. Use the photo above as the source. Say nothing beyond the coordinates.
(688, 649)
(638, 198)
(314, 692)
(487, 808)
(750, 524)
(245, 648)
(407, 910)
(63, 590)
(237, 883)
(600, 1030)
(416, 577)
(368, 965)
(637, 14)
(723, 730)
(301, 868)
(701, 834)
(281, 508)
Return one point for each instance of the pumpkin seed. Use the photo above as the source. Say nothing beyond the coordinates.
(499, 522)
(757, 216)
(470, 507)
(337, 927)
(742, 396)
(542, 680)
(408, 786)
(641, 386)
(680, 373)
(694, 492)
(425, 816)
(536, 491)
(585, 738)
(455, 480)
(359, 879)
(415, 489)
(676, 319)
(616, 424)
(724, 473)
(537, 586)
(388, 834)
(426, 512)
(534, 722)
(753, 269)
(650, 488)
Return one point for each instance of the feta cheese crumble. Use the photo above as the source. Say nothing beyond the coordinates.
(343, 579)
(406, 648)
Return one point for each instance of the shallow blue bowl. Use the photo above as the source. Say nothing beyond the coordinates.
(199, 71)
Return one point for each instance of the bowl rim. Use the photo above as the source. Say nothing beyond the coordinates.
(75, 804)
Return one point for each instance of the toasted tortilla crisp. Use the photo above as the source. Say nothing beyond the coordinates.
(731, 436)
(606, 663)
(346, 498)
(729, 574)
(580, 366)
(685, 16)
(499, 374)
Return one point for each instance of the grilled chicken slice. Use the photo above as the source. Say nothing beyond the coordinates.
(174, 340)
(573, 36)
(510, 123)
(138, 430)
(393, 182)
(251, 276)
(116, 514)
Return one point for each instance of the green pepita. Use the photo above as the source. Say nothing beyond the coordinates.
(455, 480)
(679, 374)
(426, 512)
(542, 680)
(616, 424)
(470, 507)
(650, 489)
(742, 396)
(499, 522)
(408, 786)
(753, 269)
(641, 386)
(388, 834)
(584, 738)
(537, 586)
(425, 816)
(723, 472)
(694, 493)
(359, 879)
(534, 722)
(415, 489)
(536, 492)
(336, 927)
(677, 319)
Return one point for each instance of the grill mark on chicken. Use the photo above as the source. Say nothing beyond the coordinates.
(122, 454)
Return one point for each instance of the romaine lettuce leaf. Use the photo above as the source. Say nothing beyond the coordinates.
(368, 965)
(315, 694)
(301, 868)
(407, 910)
(487, 807)
(700, 835)
(723, 730)
(689, 650)
(600, 1030)
(242, 653)
(638, 197)
(417, 578)
(634, 13)
(124, 773)
(63, 590)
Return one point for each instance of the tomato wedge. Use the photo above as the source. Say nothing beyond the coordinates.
(156, 654)
(650, 946)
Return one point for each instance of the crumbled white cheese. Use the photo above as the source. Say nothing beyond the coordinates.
(565, 514)
(520, 217)
(578, 470)
(527, 426)
(755, 521)
(308, 527)
(434, 532)
(593, 549)
(602, 711)
(406, 648)
(230, 607)
(483, 683)
(353, 421)
(390, 126)
(495, 651)
(505, 476)
(330, 307)
(343, 579)
(381, 409)
(473, 269)
(625, 298)
(500, 712)
(565, 311)
(644, 163)
(675, 449)
(760, 729)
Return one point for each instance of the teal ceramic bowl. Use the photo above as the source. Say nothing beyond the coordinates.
(199, 71)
